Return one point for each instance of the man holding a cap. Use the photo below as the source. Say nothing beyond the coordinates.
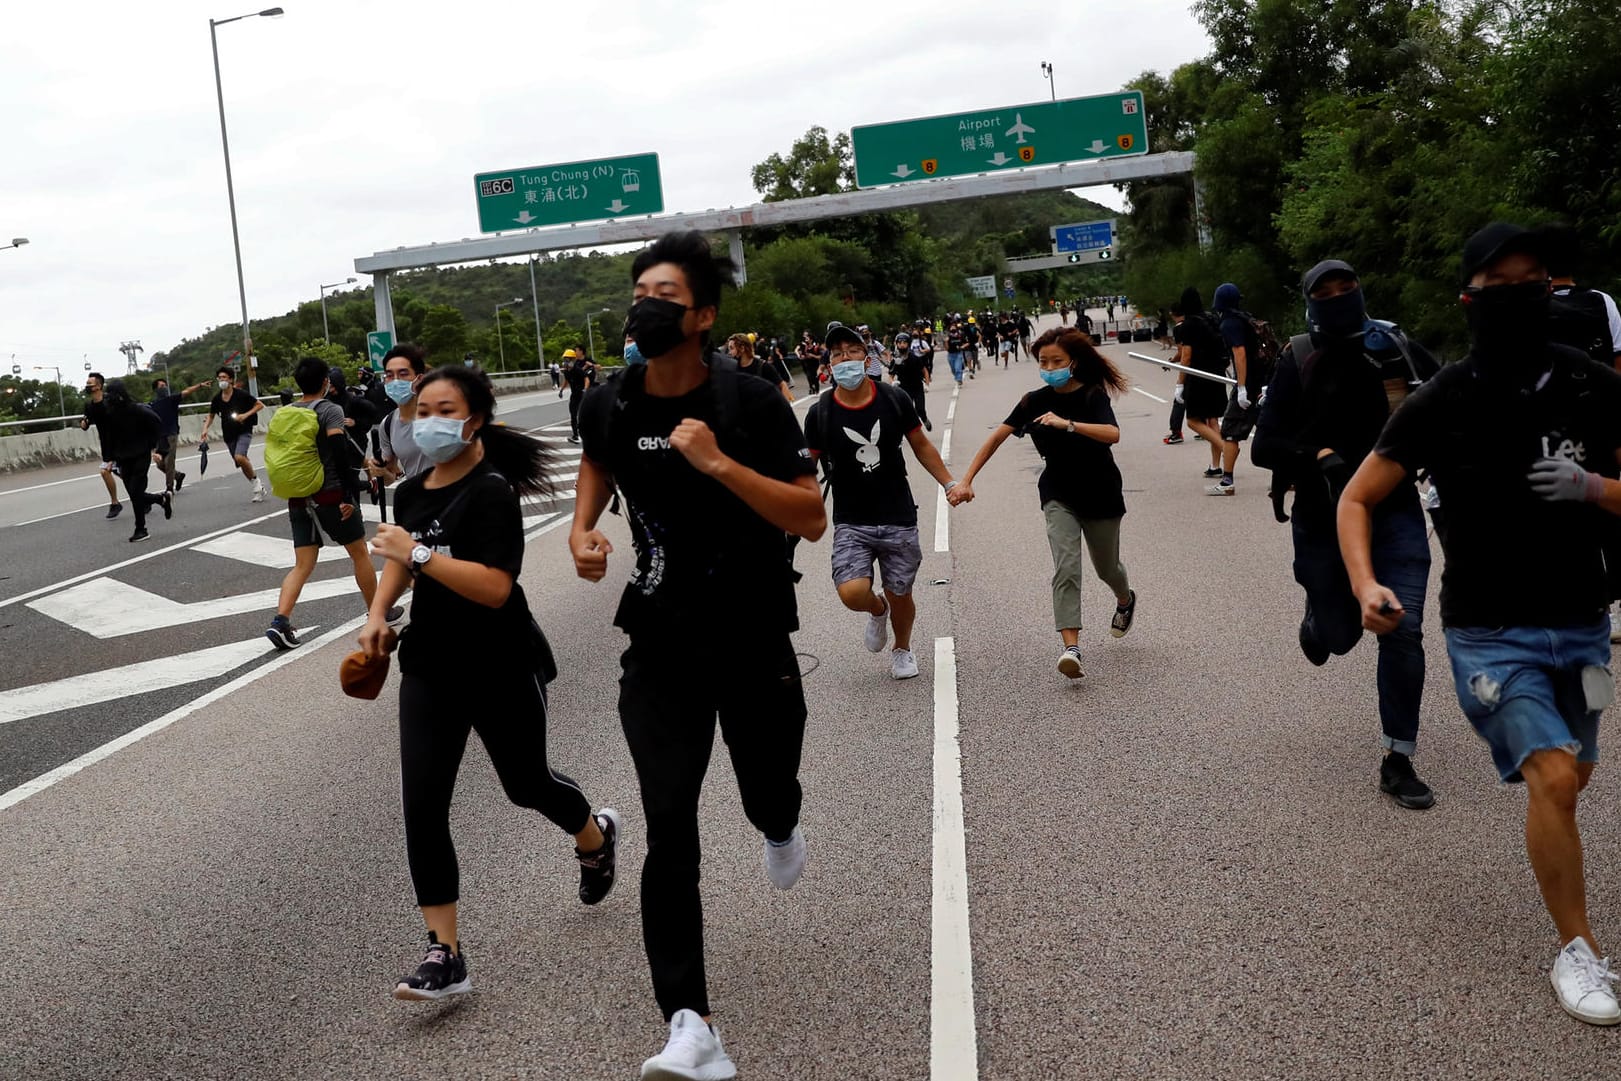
(1332, 393)
(1521, 438)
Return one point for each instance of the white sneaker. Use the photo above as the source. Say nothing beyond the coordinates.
(693, 1053)
(1615, 622)
(1222, 489)
(258, 491)
(1582, 982)
(784, 863)
(878, 629)
(902, 665)
(1069, 662)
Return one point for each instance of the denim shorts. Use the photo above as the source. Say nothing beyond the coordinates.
(1528, 689)
(894, 548)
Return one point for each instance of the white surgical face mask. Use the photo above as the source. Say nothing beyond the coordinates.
(440, 438)
(225, 384)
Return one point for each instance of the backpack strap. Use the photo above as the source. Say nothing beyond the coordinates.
(1305, 354)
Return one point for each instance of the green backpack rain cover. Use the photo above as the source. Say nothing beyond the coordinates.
(291, 457)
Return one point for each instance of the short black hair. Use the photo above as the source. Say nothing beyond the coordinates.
(97, 375)
(311, 374)
(159, 382)
(224, 370)
(706, 272)
(412, 352)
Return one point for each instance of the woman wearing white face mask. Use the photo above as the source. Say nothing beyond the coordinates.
(459, 546)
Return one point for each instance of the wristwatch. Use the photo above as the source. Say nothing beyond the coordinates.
(419, 556)
(1069, 425)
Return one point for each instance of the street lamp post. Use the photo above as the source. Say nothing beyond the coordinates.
(230, 191)
(534, 295)
(61, 402)
(16, 242)
(1047, 73)
(590, 340)
(325, 335)
(500, 347)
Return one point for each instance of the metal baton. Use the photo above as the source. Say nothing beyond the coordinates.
(1185, 368)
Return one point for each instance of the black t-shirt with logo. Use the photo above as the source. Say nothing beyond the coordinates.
(909, 368)
(864, 445)
(1514, 559)
(1080, 471)
(241, 401)
(476, 519)
(956, 340)
(703, 556)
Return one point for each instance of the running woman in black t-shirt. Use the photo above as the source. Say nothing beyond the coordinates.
(1073, 426)
(459, 546)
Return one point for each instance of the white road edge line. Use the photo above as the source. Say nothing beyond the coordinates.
(942, 524)
(945, 446)
(1145, 394)
(90, 758)
(953, 1040)
(143, 557)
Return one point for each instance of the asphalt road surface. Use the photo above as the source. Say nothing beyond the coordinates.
(1177, 867)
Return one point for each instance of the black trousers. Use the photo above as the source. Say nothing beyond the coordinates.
(574, 400)
(134, 471)
(917, 396)
(1178, 413)
(509, 714)
(669, 699)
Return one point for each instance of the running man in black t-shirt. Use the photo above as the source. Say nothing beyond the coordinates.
(913, 370)
(856, 430)
(95, 411)
(236, 409)
(459, 547)
(1072, 425)
(1199, 346)
(580, 375)
(1522, 439)
(713, 472)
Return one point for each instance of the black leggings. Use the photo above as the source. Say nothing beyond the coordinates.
(134, 473)
(435, 717)
(574, 400)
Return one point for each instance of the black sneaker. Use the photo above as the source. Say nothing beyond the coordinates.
(1397, 780)
(1213, 471)
(597, 868)
(138, 535)
(281, 633)
(440, 974)
(114, 510)
(1121, 623)
(1173, 439)
(168, 505)
(1310, 646)
(179, 481)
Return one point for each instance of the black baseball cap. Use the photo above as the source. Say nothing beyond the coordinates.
(1328, 268)
(838, 332)
(1497, 240)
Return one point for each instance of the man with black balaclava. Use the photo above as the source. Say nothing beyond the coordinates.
(1332, 393)
(1522, 436)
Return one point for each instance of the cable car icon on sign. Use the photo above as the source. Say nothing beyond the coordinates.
(930, 166)
(630, 180)
(1125, 142)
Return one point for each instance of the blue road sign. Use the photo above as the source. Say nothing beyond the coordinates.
(1083, 236)
(1009, 292)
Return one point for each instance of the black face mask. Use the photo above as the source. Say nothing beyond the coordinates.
(1337, 317)
(1509, 325)
(655, 325)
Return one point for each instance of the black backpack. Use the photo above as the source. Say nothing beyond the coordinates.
(1581, 320)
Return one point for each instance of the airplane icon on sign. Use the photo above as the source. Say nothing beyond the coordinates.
(1020, 129)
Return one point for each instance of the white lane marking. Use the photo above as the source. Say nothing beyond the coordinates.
(1145, 394)
(532, 534)
(953, 1041)
(945, 446)
(90, 758)
(97, 476)
(951, 410)
(261, 551)
(106, 608)
(143, 557)
(108, 684)
(942, 524)
(53, 517)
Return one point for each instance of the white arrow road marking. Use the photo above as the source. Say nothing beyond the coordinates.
(1000, 159)
(262, 551)
(105, 608)
(109, 684)
(616, 207)
(903, 171)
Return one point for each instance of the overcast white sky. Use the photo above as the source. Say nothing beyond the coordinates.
(356, 125)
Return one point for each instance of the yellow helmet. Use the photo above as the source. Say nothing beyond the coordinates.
(751, 339)
(571, 354)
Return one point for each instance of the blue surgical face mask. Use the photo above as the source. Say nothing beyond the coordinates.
(1055, 378)
(440, 438)
(633, 355)
(399, 391)
(849, 373)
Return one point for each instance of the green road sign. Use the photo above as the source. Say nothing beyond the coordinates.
(378, 342)
(1046, 133)
(562, 194)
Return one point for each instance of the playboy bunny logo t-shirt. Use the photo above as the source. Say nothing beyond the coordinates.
(864, 446)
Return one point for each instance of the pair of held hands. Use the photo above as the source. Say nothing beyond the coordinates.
(1556, 480)
(695, 441)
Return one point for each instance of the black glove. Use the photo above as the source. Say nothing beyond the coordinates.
(1336, 475)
